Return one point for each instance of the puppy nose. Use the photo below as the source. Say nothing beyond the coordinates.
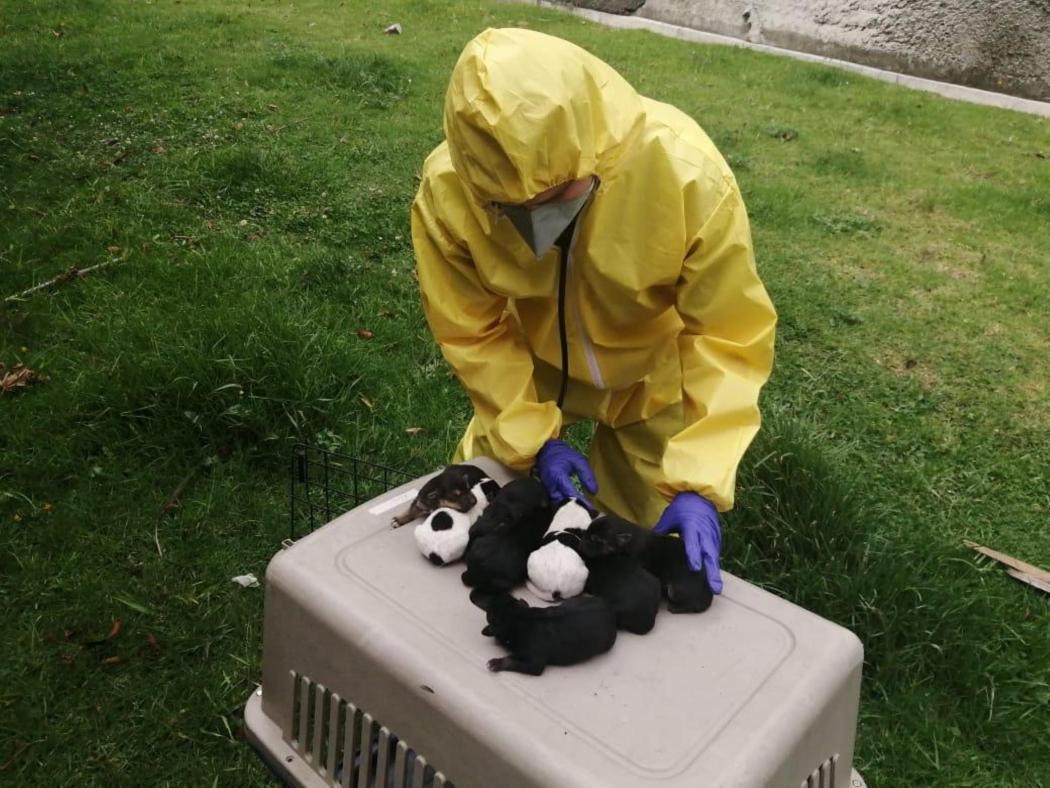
(557, 595)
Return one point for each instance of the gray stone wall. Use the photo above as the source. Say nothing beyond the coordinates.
(1001, 45)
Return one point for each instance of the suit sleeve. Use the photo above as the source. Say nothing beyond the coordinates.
(726, 352)
(481, 342)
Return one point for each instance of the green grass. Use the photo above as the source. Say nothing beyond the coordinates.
(249, 167)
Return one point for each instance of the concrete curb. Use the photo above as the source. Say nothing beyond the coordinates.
(946, 89)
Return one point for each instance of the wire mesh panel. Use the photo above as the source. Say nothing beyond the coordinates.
(324, 484)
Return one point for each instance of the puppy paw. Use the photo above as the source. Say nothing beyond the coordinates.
(497, 664)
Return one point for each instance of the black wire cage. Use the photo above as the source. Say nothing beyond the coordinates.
(325, 484)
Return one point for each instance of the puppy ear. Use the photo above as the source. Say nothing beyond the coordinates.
(490, 488)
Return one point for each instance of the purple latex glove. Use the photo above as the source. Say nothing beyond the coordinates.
(696, 519)
(555, 465)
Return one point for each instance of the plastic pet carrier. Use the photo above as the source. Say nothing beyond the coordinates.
(374, 673)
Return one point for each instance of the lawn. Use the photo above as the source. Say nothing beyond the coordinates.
(246, 170)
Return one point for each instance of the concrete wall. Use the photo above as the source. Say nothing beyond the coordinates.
(1001, 45)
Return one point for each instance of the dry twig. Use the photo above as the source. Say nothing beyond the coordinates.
(66, 276)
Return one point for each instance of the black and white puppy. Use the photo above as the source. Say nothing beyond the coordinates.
(450, 489)
(442, 538)
(564, 634)
(620, 579)
(662, 555)
(507, 531)
(555, 569)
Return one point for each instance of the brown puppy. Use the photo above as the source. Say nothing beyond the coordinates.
(450, 488)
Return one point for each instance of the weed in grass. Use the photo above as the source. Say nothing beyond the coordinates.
(847, 223)
(782, 133)
(838, 164)
(370, 81)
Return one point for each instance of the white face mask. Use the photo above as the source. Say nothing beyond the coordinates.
(541, 226)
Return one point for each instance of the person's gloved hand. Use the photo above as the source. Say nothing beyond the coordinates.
(555, 465)
(696, 519)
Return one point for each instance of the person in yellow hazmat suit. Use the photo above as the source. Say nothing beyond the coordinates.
(583, 252)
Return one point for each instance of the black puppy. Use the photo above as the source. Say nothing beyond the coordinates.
(509, 529)
(662, 555)
(686, 591)
(451, 488)
(518, 500)
(564, 634)
(622, 581)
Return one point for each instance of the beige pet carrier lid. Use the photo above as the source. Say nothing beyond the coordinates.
(732, 696)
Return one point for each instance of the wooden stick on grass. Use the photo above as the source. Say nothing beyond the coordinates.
(72, 273)
(1016, 568)
(1034, 582)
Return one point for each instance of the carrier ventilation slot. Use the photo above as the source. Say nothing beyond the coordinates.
(348, 747)
(824, 775)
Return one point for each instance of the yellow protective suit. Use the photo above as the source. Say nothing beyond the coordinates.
(670, 329)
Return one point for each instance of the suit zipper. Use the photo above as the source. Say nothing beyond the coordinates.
(585, 340)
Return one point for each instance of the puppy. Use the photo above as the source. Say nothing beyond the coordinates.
(564, 634)
(451, 488)
(620, 579)
(555, 570)
(686, 591)
(661, 555)
(518, 500)
(442, 537)
(507, 531)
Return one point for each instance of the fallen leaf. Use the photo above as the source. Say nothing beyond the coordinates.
(414, 430)
(58, 33)
(158, 149)
(344, 141)
(69, 659)
(114, 249)
(113, 661)
(910, 363)
(364, 333)
(1040, 155)
(393, 30)
(151, 640)
(115, 629)
(367, 403)
(239, 125)
(274, 107)
(19, 377)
